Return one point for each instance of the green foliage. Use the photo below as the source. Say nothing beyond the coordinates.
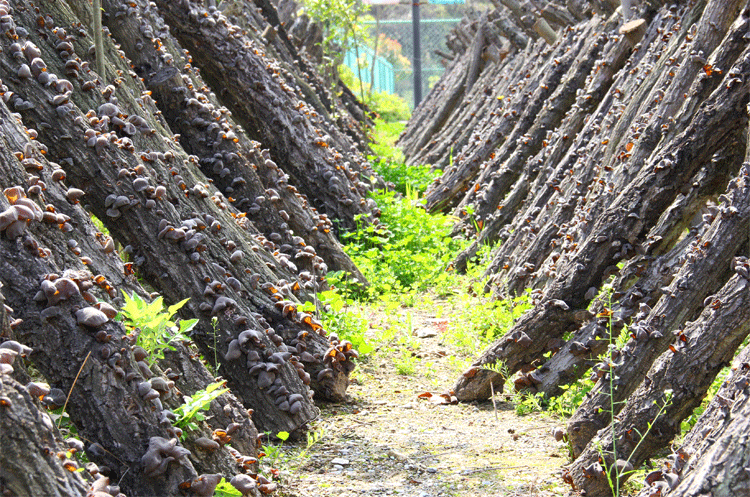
(482, 320)
(340, 19)
(405, 177)
(338, 317)
(189, 413)
(409, 250)
(342, 30)
(406, 363)
(527, 403)
(384, 138)
(566, 404)
(157, 330)
(388, 106)
(498, 367)
(225, 489)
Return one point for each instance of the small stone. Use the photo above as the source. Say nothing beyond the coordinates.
(432, 470)
(340, 461)
(427, 332)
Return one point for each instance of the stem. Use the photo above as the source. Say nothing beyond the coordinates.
(494, 405)
(98, 41)
(359, 68)
(59, 421)
(375, 51)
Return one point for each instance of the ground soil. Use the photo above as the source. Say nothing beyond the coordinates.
(389, 441)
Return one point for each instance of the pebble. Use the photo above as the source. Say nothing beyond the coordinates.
(426, 332)
(432, 470)
(340, 461)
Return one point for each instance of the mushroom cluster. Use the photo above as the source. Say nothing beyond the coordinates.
(161, 452)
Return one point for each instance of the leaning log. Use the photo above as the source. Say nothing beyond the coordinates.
(28, 462)
(655, 188)
(267, 109)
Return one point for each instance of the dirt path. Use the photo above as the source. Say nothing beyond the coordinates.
(385, 440)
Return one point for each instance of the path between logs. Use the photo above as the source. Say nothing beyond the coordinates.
(395, 443)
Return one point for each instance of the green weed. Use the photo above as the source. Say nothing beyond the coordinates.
(338, 317)
(189, 413)
(408, 251)
(403, 176)
(157, 331)
(224, 489)
(406, 363)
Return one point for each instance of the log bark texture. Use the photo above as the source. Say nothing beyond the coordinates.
(268, 109)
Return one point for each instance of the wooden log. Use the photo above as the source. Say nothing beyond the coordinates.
(26, 468)
(701, 350)
(64, 349)
(694, 281)
(642, 279)
(267, 110)
(712, 458)
(234, 165)
(475, 57)
(682, 153)
(163, 262)
(543, 242)
(526, 140)
(68, 350)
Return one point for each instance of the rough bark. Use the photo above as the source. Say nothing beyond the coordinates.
(267, 108)
(28, 462)
(82, 360)
(226, 273)
(233, 162)
(625, 218)
(713, 459)
(688, 372)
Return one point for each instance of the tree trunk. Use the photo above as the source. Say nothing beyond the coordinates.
(235, 165)
(28, 462)
(623, 219)
(267, 109)
(711, 342)
(713, 458)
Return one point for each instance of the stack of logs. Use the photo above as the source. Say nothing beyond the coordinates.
(607, 166)
(221, 176)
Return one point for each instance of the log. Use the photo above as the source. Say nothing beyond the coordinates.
(178, 269)
(80, 358)
(267, 110)
(713, 456)
(28, 462)
(234, 165)
(680, 377)
(654, 192)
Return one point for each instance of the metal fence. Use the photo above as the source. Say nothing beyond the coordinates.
(394, 21)
(433, 33)
(380, 73)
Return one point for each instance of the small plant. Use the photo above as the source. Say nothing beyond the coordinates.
(406, 363)
(272, 454)
(615, 472)
(189, 413)
(526, 403)
(214, 328)
(403, 176)
(224, 489)
(566, 403)
(338, 319)
(157, 330)
(407, 252)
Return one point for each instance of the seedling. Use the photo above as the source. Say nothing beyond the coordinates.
(189, 413)
(156, 330)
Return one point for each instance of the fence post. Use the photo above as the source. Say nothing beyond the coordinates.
(417, 60)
